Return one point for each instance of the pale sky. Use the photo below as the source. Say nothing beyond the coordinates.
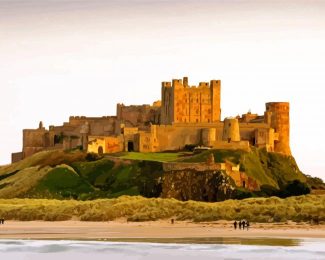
(81, 57)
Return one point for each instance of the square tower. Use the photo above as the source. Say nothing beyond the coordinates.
(182, 103)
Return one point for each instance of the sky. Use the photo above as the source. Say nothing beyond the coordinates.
(80, 57)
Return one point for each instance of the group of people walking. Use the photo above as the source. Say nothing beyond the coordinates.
(2, 220)
(242, 224)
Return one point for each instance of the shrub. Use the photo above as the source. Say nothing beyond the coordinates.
(295, 188)
(90, 157)
(243, 194)
(268, 190)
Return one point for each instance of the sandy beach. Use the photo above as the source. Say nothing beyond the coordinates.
(156, 229)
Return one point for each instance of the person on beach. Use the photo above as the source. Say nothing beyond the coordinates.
(172, 221)
(243, 224)
(247, 224)
(235, 225)
(239, 224)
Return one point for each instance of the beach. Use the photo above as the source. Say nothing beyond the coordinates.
(155, 229)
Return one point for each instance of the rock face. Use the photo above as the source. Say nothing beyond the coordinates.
(196, 185)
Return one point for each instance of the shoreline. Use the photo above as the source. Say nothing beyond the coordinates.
(114, 230)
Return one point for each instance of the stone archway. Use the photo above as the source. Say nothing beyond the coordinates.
(100, 150)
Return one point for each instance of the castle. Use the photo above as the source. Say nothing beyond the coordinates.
(186, 115)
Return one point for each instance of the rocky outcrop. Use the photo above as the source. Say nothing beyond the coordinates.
(197, 185)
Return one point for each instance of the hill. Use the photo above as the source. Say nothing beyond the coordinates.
(75, 174)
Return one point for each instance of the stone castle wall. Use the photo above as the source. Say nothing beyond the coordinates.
(138, 116)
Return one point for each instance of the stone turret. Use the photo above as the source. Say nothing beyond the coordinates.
(231, 130)
(280, 121)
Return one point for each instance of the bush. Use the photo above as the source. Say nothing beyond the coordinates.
(243, 194)
(268, 190)
(91, 157)
(295, 188)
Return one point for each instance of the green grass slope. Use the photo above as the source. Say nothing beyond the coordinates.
(74, 174)
(270, 169)
(60, 182)
(123, 178)
(18, 184)
(157, 157)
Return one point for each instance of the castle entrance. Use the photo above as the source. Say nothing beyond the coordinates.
(100, 150)
(130, 146)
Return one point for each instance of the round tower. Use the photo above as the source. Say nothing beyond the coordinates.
(231, 130)
(208, 136)
(280, 121)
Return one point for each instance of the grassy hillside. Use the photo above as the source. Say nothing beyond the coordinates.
(271, 169)
(19, 183)
(61, 181)
(75, 174)
(136, 208)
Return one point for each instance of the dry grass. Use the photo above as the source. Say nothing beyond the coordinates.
(136, 208)
(21, 182)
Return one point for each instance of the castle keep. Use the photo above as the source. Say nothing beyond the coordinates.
(186, 115)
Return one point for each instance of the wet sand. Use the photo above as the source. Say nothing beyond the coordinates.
(157, 229)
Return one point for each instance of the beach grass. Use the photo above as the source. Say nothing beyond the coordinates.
(136, 208)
